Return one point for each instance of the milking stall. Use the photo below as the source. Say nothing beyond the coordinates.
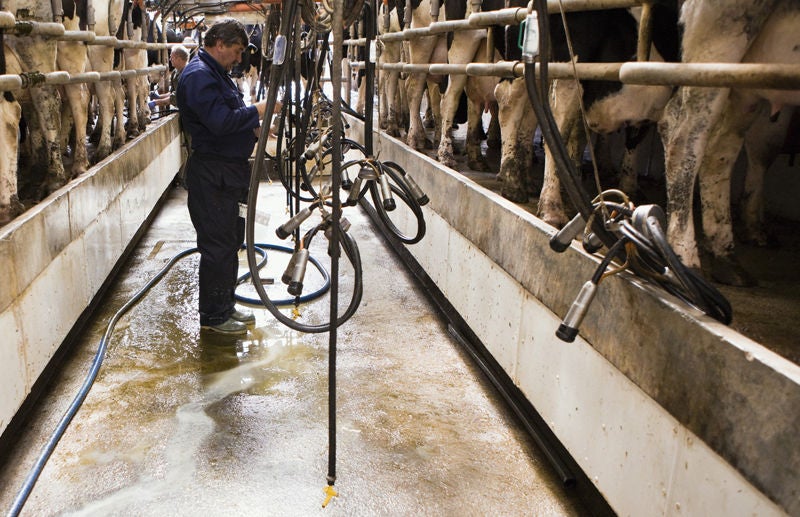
(578, 298)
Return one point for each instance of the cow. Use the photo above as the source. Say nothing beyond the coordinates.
(41, 106)
(702, 128)
(108, 16)
(602, 36)
(10, 114)
(248, 69)
(72, 57)
(423, 50)
(468, 46)
(390, 19)
(133, 28)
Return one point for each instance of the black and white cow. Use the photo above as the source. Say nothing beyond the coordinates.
(702, 128)
(247, 71)
(468, 46)
(602, 36)
(110, 100)
(137, 87)
(41, 105)
(72, 57)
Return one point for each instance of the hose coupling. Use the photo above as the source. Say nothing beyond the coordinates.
(568, 329)
(355, 192)
(300, 263)
(417, 192)
(386, 193)
(287, 228)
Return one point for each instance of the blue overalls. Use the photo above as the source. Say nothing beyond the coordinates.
(217, 176)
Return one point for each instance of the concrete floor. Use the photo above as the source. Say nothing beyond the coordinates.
(184, 423)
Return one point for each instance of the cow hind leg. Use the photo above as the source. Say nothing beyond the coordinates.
(714, 177)
(493, 135)
(763, 143)
(10, 113)
(513, 116)
(475, 159)
(77, 97)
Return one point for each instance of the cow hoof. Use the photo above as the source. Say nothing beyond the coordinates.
(479, 165)
(448, 160)
(11, 211)
(50, 186)
(515, 194)
(761, 240)
(556, 220)
(728, 271)
(100, 154)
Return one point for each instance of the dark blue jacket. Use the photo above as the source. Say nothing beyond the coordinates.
(213, 111)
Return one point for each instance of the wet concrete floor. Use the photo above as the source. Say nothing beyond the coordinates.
(181, 422)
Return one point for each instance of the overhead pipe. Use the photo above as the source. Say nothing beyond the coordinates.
(85, 36)
(43, 29)
(772, 76)
(13, 82)
(508, 16)
(588, 71)
(7, 20)
(645, 32)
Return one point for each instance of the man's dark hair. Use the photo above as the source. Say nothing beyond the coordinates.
(229, 31)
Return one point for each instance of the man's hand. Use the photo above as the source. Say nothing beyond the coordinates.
(262, 107)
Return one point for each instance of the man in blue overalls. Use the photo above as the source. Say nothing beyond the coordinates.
(223, 131)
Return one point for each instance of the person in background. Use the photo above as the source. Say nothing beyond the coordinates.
(178, 57)
(223, 134)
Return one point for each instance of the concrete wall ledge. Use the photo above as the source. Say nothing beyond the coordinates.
(57, 255)
(665, 409)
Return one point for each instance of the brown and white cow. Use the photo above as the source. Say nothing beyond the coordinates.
(10, 114)
(41, 105)
(108, 15)
(72, 57)
(424, 50)
(703, 127)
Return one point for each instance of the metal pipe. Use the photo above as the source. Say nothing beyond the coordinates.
(508, 16)
(90, 15)
(86, 36)
(593, 71)
(109, 41)
(44, 29)
(10, 82)
(435, 10)
(719, 75)
(58, 11)
(645, 32)
(355, 42)
(85, 77)
(7, 20)
(489, 44)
